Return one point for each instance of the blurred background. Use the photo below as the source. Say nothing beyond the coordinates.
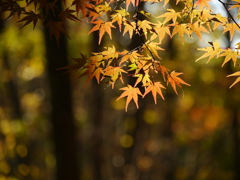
(54, 128)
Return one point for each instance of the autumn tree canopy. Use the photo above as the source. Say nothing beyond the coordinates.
(188, 19)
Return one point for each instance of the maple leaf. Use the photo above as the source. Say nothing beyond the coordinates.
(78, 65)
(153, 47)
(211, 51)
(35, 2)
(144, 63)
(171, 15)
(205, 15)
(82, 5)
(144, 78)
(219, 20)
(12, 6)
(30, 17)
(92, 13)
(159, 32)
(129, 27)
(163, 70)
(203, 3)
(56, 28)
(114, 73)
(132, 56)
(103, 27)
(119, 17)
(231, 28)
(230, 54)
(98, 71)
(131, 93)
(110, 53)
(145, 26)
(67, 13)
(134, 3)
(155, 88)
(98, 10)
(197, 28)
(174, 80)
(237, 5)
(237, 80)
(181, 29)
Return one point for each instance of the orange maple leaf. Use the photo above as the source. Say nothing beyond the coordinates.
(134, 3)
(82, 5)
(163, 70)
(131, 93)
(174, 80)
(155, 88)
(103, 27)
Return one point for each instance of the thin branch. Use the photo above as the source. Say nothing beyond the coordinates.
(224, 5)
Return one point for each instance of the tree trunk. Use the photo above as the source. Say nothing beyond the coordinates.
(64, 134)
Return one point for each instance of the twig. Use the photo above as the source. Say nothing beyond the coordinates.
(224, 5)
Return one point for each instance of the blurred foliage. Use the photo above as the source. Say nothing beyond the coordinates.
(184, 137)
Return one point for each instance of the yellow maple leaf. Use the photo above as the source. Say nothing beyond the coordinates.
(181, 29)
(119, 17)
(171, 15)
(145, 26)
(197, 28)
(219, 20)
(132, 56)
(153, 47)
(230, 54)
(160, 31)
(237, 80)
(211, 52)
(129, 27)
(231, 27)
(236, 5)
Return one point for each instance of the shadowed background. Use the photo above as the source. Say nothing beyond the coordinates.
(52, 127)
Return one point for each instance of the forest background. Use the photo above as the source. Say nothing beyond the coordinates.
(71, 131)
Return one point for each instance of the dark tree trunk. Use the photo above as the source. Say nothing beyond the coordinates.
(64, 134)
(97, 106)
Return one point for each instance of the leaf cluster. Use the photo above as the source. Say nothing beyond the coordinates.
(144, 63)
